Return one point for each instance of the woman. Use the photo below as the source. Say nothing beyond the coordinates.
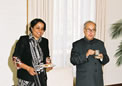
(30, 53)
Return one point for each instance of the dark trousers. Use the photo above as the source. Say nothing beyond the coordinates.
(41, 78)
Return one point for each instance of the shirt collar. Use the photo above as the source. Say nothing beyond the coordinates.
(31, 37)
(88, 40)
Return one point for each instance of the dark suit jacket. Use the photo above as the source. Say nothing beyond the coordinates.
(22, 51)
(89, 70)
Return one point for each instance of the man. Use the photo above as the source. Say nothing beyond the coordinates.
(88, 65)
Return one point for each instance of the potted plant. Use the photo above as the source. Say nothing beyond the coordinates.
(117, 32)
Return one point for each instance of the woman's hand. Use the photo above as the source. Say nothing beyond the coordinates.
(48, 61)
(31, 71)
(28, 68)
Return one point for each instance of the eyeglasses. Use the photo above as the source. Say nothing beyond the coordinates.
(91, 30)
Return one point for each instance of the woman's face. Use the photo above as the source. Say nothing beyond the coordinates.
(38, 30)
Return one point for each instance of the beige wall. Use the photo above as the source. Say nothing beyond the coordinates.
(12, 25)
(112, 73)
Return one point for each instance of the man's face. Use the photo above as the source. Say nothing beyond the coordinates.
(90, 31)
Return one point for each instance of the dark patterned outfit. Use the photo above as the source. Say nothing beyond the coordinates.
(32, 53)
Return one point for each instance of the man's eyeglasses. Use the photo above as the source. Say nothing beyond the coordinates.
(91, 30)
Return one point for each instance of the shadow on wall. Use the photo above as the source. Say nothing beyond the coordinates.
(11, 64)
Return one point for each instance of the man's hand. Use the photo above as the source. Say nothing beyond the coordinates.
(90, 52)
(100, 56)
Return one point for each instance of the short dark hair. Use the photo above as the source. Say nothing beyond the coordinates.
(89, 22)
(35, 21)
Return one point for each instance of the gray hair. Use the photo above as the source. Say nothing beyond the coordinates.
(88, 22)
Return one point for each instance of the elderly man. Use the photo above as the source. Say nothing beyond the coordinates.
(89, 55)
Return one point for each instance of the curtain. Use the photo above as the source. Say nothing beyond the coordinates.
(68, 19)
(42, 9)
(64, 19)
(101, 19)
(101, 28)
